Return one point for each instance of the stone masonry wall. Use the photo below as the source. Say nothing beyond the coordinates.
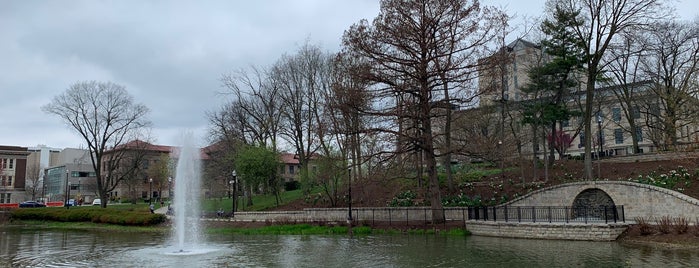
(639, 200)
(587, 232)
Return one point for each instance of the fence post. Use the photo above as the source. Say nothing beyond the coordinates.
(549, 214)
(390, 222)
(615, 213)
(605, 215)
(424, 214)
(495, 214)
(373, 217)
(565, 210)
(519, 214)
(585, 208)
(406, 216)
(533, 214)
(463, 216)
(485, 213)
(506, 216)
(623, 216)
(445, 218)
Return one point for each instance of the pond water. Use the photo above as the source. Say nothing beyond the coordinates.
(24, 247)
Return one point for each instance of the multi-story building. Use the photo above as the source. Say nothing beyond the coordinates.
(289, 170)
(502, 100)
(13, 167)
(144, 171)
(73, 177)
(39, 159)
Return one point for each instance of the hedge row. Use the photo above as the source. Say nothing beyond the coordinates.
(131, 217)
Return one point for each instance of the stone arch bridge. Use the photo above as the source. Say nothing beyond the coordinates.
(639, 200)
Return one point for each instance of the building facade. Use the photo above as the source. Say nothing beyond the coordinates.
(502, 101)
(73, 177)
(13, 168)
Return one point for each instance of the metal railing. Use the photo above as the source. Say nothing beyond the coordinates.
(582, 214)
(454, 215)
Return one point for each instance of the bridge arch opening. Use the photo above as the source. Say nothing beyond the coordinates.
(593, 203)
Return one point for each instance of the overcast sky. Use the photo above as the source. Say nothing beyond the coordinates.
(170, 55)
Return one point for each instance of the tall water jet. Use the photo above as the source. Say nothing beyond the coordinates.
(187, 195)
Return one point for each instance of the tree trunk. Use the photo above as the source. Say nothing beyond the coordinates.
(587, 117)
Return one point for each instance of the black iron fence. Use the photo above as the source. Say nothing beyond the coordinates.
(454, 215)
(586, 214)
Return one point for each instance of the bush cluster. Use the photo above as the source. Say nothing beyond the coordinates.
(404, 199)
(90, 214)
(665, 225)
(462, 200)
(676, 179)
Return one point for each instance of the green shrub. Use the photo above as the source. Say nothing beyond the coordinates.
(404, 199)
(90, 214)
(462, 200)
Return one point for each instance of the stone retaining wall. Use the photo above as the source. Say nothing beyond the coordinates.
(369, 214)
(587, 232)
(639, 200)
(561, 231)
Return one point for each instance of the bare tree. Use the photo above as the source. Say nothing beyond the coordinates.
(34, 180)
(256, 105)
(105, 116)
(628, 83)
(299, 78)
(413, 49)
(673, 65)
(598, 24)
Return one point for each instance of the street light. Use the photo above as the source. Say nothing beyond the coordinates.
(233, 182)
(169, 188)
(67, 192)
(349, 208)
(150, 191)
(599, 154)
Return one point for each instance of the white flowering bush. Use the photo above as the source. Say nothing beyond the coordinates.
(676, 179)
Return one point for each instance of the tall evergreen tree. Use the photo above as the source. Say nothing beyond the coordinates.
(550, 83)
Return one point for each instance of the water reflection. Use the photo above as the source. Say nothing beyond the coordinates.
(22, 247)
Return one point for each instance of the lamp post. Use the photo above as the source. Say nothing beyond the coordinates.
(349, 193)
(169, 188)
(150, 191)
(233, 182)
(43, 189)
(67, 192)
(601, 141)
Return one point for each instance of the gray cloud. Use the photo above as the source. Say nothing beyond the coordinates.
(169, 54)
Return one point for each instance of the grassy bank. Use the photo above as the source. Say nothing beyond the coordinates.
(249, 229)
(260, 202)
(102, 227)
(117, 215)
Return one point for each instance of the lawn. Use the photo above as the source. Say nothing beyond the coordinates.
(260, 202)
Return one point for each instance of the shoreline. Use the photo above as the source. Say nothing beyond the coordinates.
(632, 237)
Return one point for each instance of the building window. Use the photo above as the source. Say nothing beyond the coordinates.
(636, 112)
(616, 114)
(144, 194)
(12, 161)
(639, 134)
(291, 169)
(565, 123)
(618, 136)
(582, 140)
(5, 198)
